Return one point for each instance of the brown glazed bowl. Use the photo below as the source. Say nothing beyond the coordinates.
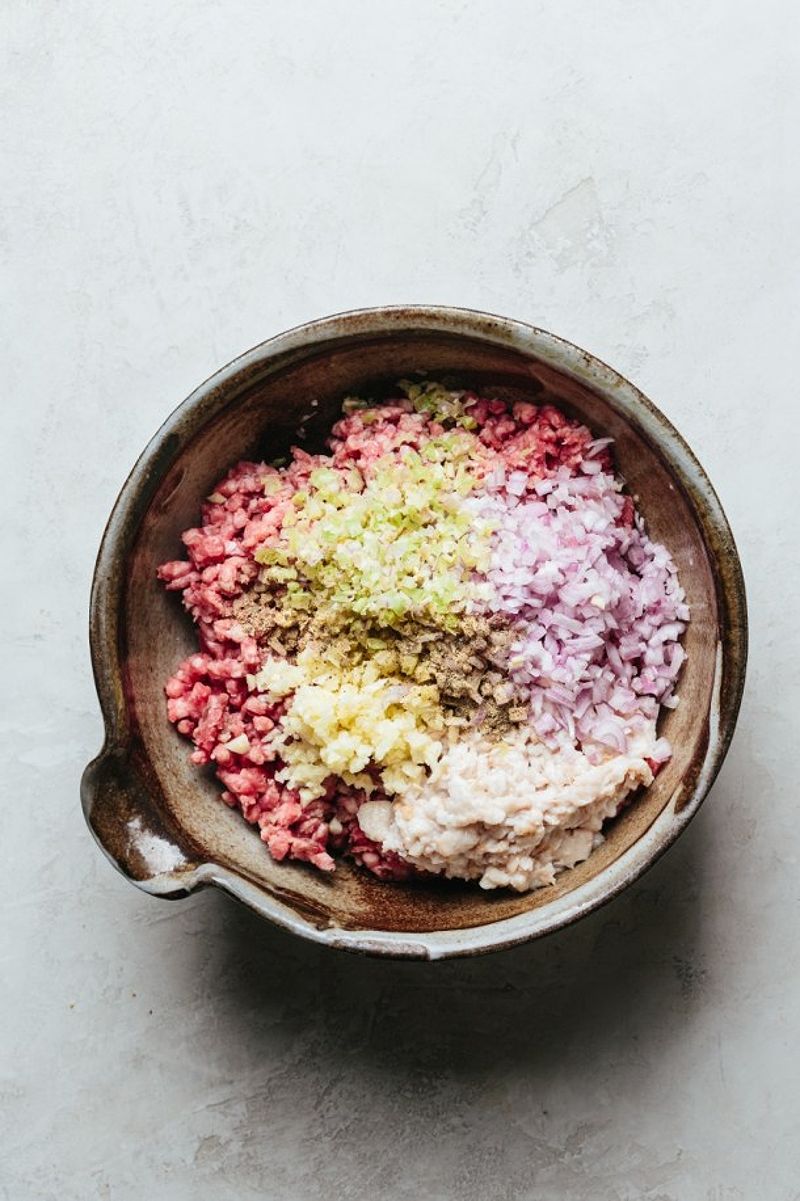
(160, 820)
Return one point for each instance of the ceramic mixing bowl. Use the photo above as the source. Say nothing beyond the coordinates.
(160, 820)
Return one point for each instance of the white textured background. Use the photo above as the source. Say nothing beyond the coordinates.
(182, 180)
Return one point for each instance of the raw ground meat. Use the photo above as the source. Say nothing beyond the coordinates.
(208, 697)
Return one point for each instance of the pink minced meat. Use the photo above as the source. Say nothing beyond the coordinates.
(208, 699)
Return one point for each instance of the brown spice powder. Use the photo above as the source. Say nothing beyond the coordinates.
(467, 666)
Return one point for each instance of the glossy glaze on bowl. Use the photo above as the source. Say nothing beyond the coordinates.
(160, 820)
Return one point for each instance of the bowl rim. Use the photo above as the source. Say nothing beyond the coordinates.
(556, 352)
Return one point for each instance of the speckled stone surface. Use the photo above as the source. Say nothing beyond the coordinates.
(184, 179)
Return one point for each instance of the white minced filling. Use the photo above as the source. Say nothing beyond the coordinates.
(510, 814)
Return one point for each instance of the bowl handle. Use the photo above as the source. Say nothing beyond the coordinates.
(131, 830)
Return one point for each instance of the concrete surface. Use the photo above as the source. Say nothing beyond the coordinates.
(182, 180)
